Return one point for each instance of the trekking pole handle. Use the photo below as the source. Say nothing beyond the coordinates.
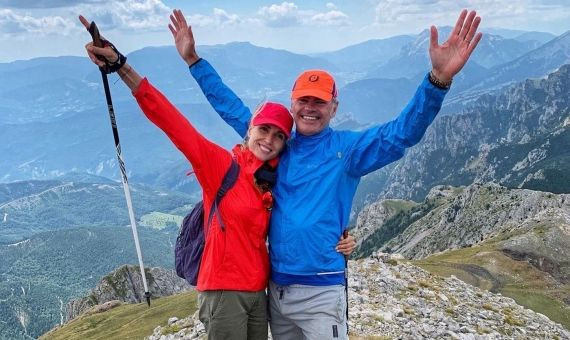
(94, 31)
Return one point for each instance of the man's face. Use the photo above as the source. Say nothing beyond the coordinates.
(312, 115)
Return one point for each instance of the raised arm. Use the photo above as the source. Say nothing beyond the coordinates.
(386, 143)
(383, 144)
(224, 101)
(209, 161)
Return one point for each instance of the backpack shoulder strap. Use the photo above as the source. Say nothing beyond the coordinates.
(230, 178)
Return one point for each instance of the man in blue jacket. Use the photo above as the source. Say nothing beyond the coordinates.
(319, 172)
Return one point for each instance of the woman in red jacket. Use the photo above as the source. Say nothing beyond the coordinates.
(235, 264)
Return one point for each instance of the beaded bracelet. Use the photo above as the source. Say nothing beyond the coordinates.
(438, 83)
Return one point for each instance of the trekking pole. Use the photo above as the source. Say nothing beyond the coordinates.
(345, 235)
(94, 31)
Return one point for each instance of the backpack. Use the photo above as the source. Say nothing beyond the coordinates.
(192, 236)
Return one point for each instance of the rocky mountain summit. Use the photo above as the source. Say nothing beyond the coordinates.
(467, 216)
(125, 285)
(391, 299)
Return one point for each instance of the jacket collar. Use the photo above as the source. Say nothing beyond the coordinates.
(245, 156)
(297, 138)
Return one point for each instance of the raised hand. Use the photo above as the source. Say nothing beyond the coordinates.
(183, 37)
(96, 53)
(450, 57)
(115, 61)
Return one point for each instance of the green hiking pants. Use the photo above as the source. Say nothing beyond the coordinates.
(234, 315)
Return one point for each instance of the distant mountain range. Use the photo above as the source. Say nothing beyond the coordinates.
(30, 207)
(59, 101)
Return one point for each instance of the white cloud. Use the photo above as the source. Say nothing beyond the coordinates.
(131, 15)
(44, 3)
(13, 23)
(443, 12)
(390, 11)
(199, 20)
(219, 18)
(330, 18)
(224, 18)
(288, 14)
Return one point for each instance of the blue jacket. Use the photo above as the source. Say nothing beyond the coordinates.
(318, 176)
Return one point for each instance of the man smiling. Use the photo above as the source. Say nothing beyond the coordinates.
(319, 172)
(313, 101)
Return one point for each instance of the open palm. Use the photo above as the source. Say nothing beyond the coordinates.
(183, 37)
(449, 58)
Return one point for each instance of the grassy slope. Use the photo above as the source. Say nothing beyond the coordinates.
(487, 267)
(128, 321)
(158, 220)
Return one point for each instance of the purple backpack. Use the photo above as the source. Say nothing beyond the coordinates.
(192, 236)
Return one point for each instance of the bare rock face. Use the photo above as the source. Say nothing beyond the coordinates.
(125, 285)
(478, 212)
(374, 215)
(546, 247)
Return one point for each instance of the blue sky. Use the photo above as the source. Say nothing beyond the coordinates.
(33, 28)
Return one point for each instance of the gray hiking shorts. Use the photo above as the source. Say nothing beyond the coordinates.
(307, 312)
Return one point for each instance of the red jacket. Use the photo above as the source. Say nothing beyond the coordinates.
(234, 259)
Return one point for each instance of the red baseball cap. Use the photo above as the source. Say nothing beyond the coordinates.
(274, 114)
(315, 83)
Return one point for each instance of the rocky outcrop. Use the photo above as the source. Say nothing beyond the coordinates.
(396, 300)
(546, 247)
(479, 212)
(125, 284)
(374, 215)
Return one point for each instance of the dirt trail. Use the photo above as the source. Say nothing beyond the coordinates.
(479, 275)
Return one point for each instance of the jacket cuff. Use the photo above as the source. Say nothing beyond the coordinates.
(428, 83)
(142, 88)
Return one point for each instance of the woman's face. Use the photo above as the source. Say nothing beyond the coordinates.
(265, 141)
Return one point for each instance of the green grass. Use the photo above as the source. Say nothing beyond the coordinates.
(399, 205)
(158, 220)
(128, 321)
(518, 280)
(539, 301)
